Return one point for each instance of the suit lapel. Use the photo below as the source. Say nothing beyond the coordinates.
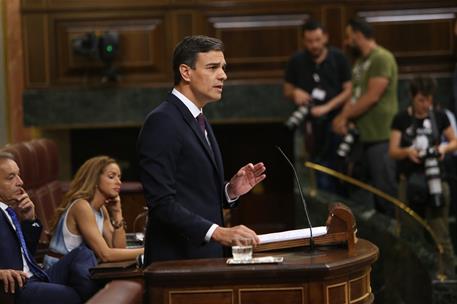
(193, 124)
(215, 148)
(8, 223)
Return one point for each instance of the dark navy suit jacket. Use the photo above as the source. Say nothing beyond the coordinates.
(10, 248)
(183, 180)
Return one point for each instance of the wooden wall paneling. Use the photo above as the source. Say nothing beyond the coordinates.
(422, 40)
(91, 4)
(141, 42)
(182, 23)
(333, 17)
(15, 71)
(259, 45)
(36, 53)
(435, 39)
(33, 4)
(187, 2)
(260, 35)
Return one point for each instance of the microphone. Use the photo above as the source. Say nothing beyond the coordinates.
(311, 239)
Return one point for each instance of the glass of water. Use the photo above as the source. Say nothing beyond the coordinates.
(242, 253)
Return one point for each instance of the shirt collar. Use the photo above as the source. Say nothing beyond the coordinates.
(189, 104)
(3, 206)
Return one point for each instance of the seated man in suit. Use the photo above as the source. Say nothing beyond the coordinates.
(67, 282)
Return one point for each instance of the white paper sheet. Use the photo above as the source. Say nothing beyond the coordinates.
(291, 235)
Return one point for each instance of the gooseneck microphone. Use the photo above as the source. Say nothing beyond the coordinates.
(311, 239)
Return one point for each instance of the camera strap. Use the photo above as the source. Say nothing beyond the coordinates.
(435, 135)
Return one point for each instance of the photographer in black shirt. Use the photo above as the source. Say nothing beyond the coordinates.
(319, 75)
(416, 143)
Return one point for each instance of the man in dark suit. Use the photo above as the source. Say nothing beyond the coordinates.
(67, 282)
(181, 164)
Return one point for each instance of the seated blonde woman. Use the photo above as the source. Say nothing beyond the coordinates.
(91, 214)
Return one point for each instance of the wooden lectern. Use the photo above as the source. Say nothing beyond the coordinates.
(341, 229)
(332, 274)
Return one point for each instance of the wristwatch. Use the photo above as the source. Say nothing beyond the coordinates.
(119, 224)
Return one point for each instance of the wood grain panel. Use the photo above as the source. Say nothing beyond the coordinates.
(421, 39)
(256, 44)
(435, 39)
(36, 52)
(141, 52)
(260, 35)
(223, 296)
(359, 288)
(337, 293)
(183, 23)
(333, 18)
(183, 1)
(33, 4)
(271, 295)
(109, 4)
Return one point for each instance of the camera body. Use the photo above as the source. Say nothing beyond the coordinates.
(347, 143)
(297, 117)
(431, 159)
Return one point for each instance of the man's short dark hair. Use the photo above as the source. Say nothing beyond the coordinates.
(424, 85)
(187, 50)
(361, 26)
(312, 25)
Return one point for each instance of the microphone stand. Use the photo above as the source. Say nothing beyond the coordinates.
(311, 239)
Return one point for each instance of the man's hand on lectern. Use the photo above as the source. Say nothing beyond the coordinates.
(235, 236)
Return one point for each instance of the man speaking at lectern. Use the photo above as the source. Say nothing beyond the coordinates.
(181, 165)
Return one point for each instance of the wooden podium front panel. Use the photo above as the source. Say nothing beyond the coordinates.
(292, 295)
(201, 296)
(332, 276)
(337, 293)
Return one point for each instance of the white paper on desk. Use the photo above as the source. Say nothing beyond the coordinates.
(291, 235)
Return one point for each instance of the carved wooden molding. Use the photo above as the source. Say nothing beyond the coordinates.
(409, 15)
(258, 21)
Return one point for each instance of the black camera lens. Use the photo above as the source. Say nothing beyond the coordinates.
(347, 143)
(297, 117)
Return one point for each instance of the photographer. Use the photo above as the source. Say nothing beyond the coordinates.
(319, 76)
(415, 142)
(372, 108)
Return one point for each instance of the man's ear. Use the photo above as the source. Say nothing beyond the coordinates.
(185, 71)
(325, 38)
(358, 36)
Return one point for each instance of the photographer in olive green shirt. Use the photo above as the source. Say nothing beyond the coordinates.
(372, 108)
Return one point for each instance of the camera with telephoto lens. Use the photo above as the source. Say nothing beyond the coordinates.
(347, 143)
(298, 116)
(433, 175)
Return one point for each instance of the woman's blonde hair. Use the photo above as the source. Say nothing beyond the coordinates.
(84, 183)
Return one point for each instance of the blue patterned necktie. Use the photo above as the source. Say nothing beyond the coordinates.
(34, 268)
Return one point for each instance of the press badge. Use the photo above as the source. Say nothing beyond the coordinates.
(318, 94)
